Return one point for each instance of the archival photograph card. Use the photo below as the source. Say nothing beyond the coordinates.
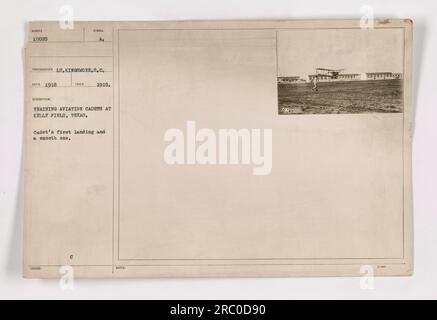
(218, 149)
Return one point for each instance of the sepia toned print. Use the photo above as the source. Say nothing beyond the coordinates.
(175, 159)
(357, 71)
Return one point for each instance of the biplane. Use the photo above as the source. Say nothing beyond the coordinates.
(331, 73)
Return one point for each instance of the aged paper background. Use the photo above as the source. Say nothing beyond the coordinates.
(106, 203)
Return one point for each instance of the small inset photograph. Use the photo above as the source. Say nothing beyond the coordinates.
(340, 71)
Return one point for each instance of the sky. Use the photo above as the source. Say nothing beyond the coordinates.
(355, 50)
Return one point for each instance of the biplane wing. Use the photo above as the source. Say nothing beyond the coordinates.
(328, 72)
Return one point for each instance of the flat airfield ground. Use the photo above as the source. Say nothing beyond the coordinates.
(371, 96)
